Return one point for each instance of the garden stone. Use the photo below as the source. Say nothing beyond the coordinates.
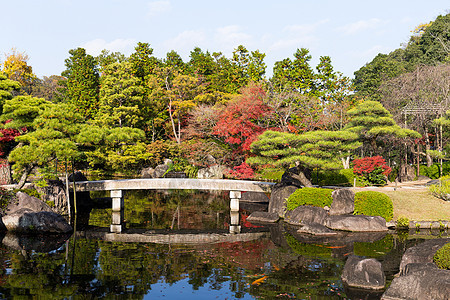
(160, 171)
(289, 177)
(420, 281)
(343, 202)
(254, 197)
(212, 172)
(26, 220)
(406, 173)
(316, 229)
(262, 217)
(28, 202)
(356, 223)
(147, 172)
(54, 192)
(306, 214)
(363, 273)
(422, 253)
(280, 192)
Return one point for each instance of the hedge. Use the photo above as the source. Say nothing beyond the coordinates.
(371, 203)
(309, 196)
(442, 257)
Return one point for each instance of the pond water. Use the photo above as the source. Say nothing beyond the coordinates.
(263, 262)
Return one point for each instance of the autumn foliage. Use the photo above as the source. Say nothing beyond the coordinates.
(372, 169)
(242, 120)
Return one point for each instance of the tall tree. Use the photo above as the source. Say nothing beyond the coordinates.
(16, 68)
(82, 85)
(121, 97)
(295, 74)
(143, 62)
(313, 149)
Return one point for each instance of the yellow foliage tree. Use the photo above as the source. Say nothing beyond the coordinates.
(16, 68)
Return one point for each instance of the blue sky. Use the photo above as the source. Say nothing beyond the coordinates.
(351, 32)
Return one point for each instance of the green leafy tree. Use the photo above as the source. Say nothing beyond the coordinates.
(295, 74)
(7, 86)
(313, 149)
(370, 120)
(143, 62)
(82, 85)
(121, 97)
(52, 138)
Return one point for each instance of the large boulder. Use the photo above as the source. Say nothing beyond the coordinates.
(356, 223)
(26, 220)
(28, 202)
(420, 281)
(422, 253)
(280, 192)
(343, 202)
(160, 171)
(262, 217)
(306, 214)
(316, 230)
(406, 173)
(54, 192)
(212, 172)
(147, 172)
(254, 197)
(363, 273)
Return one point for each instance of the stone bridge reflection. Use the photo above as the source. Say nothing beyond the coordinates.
(116, 188)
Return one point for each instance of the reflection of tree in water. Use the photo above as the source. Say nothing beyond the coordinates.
(99, 269)
(169, 209)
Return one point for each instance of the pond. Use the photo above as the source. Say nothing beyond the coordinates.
(264, 262)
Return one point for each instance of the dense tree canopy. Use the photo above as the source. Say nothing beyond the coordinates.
(118, 114)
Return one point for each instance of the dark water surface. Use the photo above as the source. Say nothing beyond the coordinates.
(263, 262)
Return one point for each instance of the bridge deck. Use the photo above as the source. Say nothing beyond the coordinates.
(175, 184)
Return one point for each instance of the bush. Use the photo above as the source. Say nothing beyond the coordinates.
(372, 170)
(402, 222)
(342, 177)
(433, 171)
(372, 203)
(309, 196)
(442, 257)
(441, 190)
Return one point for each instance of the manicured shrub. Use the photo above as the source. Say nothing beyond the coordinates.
(309, 196)
(402, 222)
(441, 190)
(371, 203)
(442, 257)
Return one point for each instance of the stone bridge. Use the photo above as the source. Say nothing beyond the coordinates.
(116, 188)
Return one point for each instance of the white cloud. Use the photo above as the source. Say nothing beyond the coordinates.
(298, 36)
(94, 47)
(158, 7)
(359, 26)
(231, 36)
(185, 42)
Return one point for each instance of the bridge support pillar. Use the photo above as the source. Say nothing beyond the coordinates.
(235, 196)
(117, 216)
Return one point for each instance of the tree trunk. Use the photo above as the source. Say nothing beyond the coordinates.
(428, 147)
(346, 162)
(24, 176)
(5, 173)
(302, 178)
